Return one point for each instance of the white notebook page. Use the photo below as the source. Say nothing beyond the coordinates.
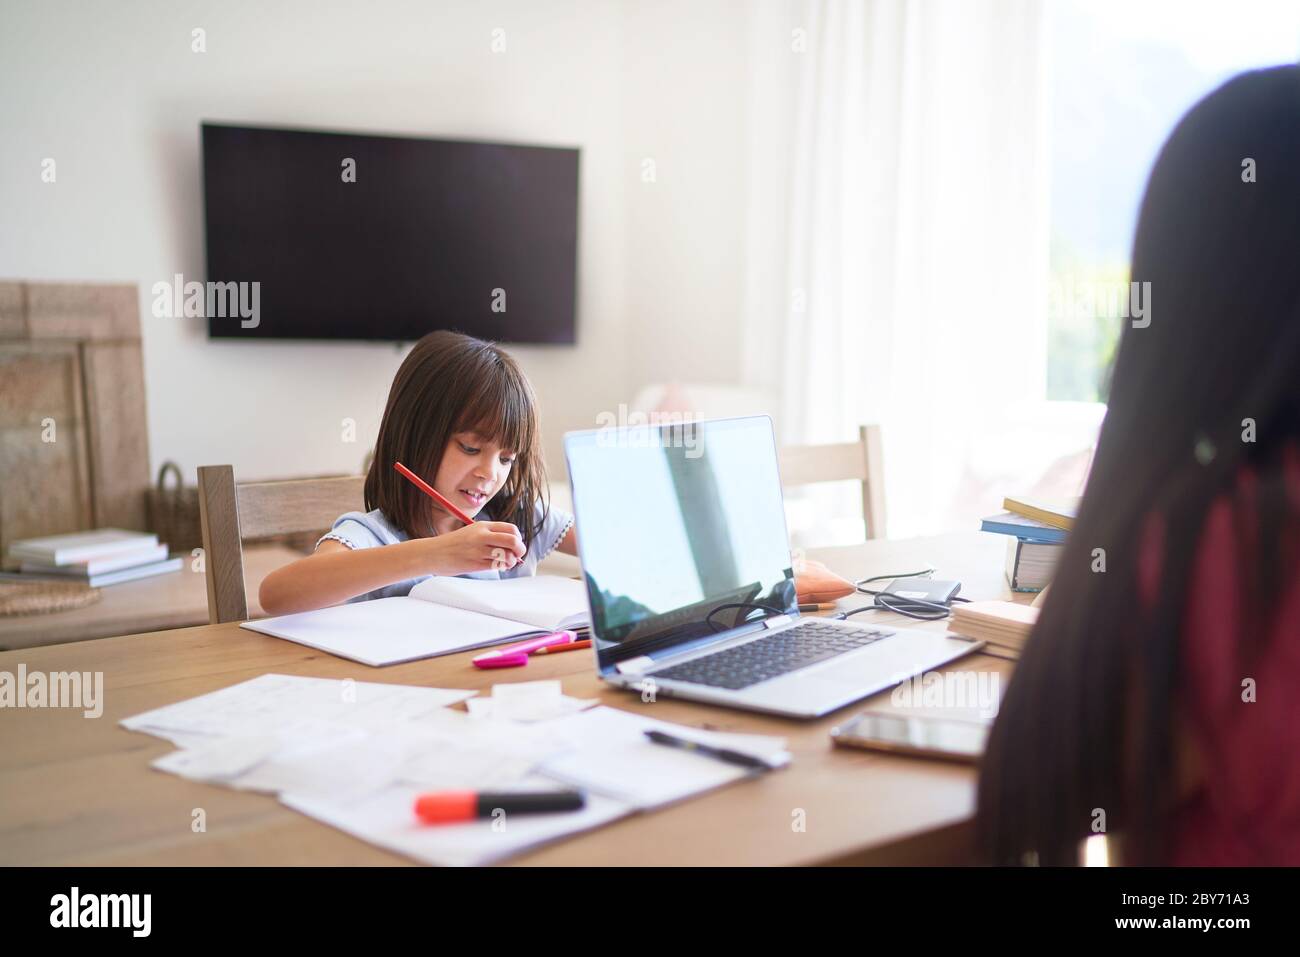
(543, 601)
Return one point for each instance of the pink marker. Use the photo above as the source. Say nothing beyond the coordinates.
(517, 655)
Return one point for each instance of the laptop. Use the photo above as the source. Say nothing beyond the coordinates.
(689, 577)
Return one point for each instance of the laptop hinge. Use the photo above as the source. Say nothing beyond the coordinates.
(634, 666)
(777, 621)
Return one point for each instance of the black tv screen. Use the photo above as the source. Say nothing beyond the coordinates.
(354, 236)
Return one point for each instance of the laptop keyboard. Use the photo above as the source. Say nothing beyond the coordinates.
(769, 657)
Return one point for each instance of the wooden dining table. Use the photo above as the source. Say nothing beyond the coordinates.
(78, 790)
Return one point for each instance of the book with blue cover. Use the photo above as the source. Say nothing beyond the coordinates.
(1009, 523)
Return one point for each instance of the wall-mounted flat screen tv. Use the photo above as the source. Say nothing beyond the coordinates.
(359, 236)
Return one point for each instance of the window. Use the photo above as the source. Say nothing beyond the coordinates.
(1121, 75)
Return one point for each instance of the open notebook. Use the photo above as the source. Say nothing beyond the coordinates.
(439, 617)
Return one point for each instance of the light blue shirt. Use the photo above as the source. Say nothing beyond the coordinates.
(368, 529)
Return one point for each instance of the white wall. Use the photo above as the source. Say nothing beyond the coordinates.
(115, 95)
(686, 103)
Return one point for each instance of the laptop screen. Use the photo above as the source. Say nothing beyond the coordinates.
(682, 532)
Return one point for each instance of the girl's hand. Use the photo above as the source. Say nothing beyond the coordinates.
(478, 547)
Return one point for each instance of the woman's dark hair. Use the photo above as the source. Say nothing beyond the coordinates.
(452, 383)
(1088, 718)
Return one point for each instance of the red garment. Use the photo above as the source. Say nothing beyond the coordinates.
(1248, 809)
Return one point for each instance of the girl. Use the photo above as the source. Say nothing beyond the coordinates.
(1157, 697)
(462, 416)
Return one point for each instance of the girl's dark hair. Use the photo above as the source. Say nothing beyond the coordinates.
(1087, 720)
(452, 383)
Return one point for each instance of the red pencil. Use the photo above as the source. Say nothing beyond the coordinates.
(567, 646)
(433, 493)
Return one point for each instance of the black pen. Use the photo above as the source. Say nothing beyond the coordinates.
(722, 754)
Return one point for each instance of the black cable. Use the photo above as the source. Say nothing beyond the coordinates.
(741, 604)
(917, 608)
(923, 573)
(908, 607)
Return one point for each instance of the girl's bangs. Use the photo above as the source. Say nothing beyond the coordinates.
(501, 412)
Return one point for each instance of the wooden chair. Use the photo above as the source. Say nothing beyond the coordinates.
(861, 460)
(230, 513)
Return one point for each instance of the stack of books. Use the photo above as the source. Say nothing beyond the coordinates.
(105, 556)
(1036, 533)
(1001, 623)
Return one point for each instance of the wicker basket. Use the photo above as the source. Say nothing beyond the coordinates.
(174, 511)
(39, 597)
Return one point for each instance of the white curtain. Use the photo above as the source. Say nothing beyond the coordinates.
(898, 232)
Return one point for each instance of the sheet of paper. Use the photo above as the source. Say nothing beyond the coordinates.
(438, 755)
(543, 601)
(340, 769)
(356, 754)
(340, 761)
(387, 818)
(182, 739)
(612, 756)
(236, 760)
(219, 760)
(452, 768)
(527, 701)
(518, 690)
(461, 752)
(387, 631)
(528, 710)
(271, 702)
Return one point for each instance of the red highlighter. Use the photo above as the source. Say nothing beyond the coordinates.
(450, 807)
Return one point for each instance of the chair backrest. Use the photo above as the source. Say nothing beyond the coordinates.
(230, 513)
(861, 460)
